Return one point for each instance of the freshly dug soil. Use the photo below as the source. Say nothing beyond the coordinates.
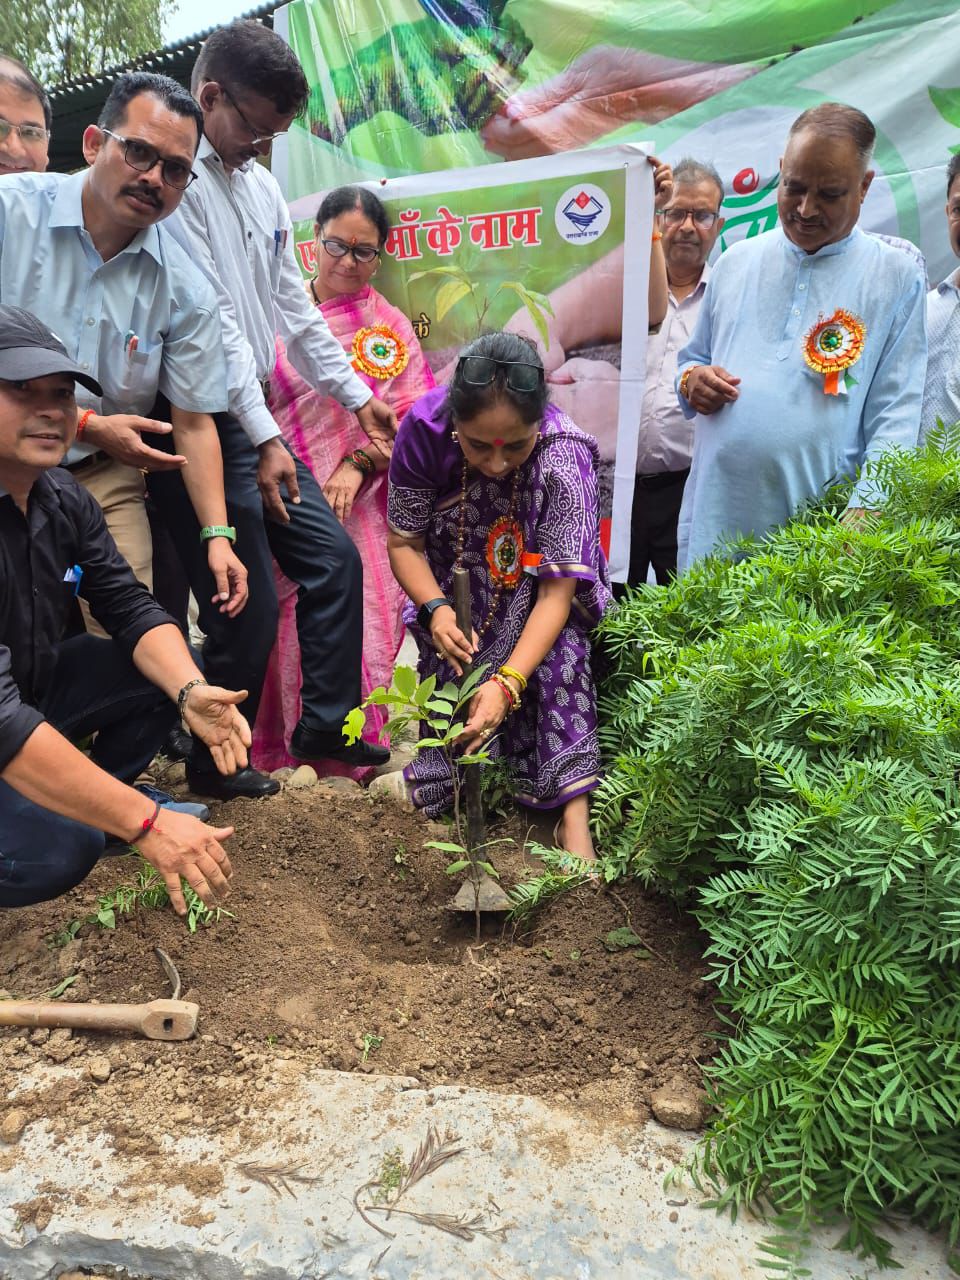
(340, 954)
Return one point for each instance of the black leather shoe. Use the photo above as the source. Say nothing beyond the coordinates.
(245, 782)
(309, 744)
(178, 745)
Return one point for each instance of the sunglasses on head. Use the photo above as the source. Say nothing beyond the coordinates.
(480, 371)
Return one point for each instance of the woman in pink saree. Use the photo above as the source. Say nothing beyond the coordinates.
(351, 228)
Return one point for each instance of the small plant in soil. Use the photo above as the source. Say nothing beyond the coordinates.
(440, 713)
(371, 1043)
(147, 892)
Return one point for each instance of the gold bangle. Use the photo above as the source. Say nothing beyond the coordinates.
(514, 674)
(684, 381)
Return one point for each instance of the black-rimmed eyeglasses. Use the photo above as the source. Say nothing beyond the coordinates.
(704, 218)
(255, 135)
(142, 157)
(480, 371)
(334, 248)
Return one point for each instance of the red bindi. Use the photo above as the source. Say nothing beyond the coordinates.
(498, 443)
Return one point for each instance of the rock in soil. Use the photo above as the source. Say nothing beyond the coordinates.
(13, 1124)
(98, 1068)
(679, 1105)
(305, 776)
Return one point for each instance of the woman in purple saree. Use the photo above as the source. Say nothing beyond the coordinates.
(486, 474)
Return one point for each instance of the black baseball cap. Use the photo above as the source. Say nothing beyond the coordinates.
(28, 349)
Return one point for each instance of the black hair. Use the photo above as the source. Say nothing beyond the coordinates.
(134, 83)
(13, 72)
(247, 56)
(837, 120)
(465, 401)
(346, 199)
(953, 171)
(690, 171)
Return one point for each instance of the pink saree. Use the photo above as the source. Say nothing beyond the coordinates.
(320, 431)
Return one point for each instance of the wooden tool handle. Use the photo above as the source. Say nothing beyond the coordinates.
(159, 1020)
(98, 1017)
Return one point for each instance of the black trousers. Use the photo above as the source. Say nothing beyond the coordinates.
(95, 689)
(653, 526)
(313, 550)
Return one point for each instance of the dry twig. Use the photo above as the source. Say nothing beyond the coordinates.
(272, 1174)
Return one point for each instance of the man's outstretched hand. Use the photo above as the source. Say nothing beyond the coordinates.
(211, 715)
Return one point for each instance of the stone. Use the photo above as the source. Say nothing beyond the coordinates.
(392, 787)
(284, 774)
(411, 938)
(60, 1046)
(300, 779)
(678, 1105)
(99, 1068)
(345, 785)
(13, 1124)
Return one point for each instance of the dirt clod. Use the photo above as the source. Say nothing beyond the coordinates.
(679, 1105)
(13, 1124)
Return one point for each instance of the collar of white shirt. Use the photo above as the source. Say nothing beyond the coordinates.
(67, 211)
(209, 154)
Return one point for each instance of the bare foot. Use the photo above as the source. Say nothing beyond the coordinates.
(572, 832)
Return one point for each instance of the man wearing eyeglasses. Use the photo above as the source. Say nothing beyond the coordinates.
(24, 119)
(690, 223)
(83, 253)
(236, 225)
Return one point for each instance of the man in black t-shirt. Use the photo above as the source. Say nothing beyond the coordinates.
(55, 802)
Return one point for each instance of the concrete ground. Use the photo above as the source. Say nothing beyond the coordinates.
(510, 1189)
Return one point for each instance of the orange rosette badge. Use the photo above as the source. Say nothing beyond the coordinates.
(379, 352)
(832, 347)
(505, 551)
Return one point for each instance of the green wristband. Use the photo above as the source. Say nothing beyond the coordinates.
(218, 531)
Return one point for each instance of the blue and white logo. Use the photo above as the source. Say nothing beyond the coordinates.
(582, 213)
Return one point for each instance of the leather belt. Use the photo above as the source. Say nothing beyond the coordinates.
(661, 479)
(82, 464)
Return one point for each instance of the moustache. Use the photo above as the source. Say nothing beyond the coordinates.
(142, 193)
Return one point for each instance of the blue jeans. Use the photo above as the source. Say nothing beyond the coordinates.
(95, 689)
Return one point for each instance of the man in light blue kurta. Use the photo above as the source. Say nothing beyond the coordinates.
(768, 437)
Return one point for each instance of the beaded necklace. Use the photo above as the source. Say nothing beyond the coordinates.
(461, 538)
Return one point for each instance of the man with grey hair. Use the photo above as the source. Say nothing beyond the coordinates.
(809, 353)
(690, 223)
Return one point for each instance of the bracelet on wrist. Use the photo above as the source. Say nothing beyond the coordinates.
(82, 424)
(513, 674)
(184, 694)
(218, 531)
(362, 461)
(148, 824)
(685, 381)
(512, 697)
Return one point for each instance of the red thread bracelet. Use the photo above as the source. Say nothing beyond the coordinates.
(82, 424)
(150, 824)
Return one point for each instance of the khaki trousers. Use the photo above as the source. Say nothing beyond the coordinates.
(119, 489)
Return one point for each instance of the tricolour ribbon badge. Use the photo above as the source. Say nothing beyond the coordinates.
(832, 347)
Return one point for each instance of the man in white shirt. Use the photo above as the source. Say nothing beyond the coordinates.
(941, 391)
(236, 225)
(690, 224)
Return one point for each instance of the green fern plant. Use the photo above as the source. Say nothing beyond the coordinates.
(782, 732)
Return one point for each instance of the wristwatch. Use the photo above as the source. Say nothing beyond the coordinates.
(218, 531)
(426, 611)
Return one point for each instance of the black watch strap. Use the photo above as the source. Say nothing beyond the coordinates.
(426, 611)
